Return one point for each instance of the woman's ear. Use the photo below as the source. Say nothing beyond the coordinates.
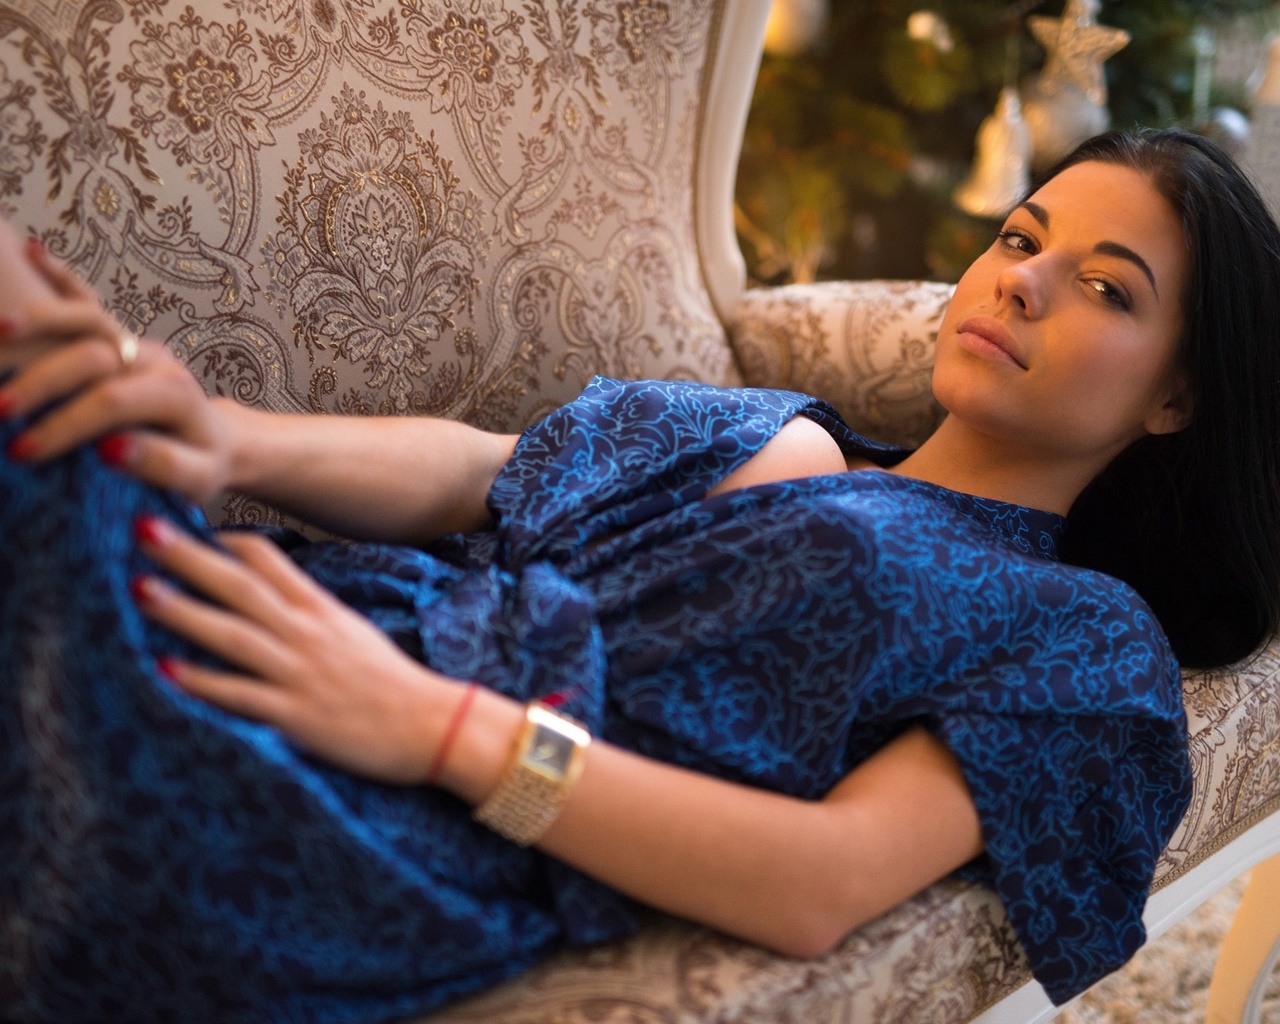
(1175, 413)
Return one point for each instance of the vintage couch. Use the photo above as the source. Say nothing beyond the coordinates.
(468, 208)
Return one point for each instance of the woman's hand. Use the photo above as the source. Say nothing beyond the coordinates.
(302, 661)
(151, 418)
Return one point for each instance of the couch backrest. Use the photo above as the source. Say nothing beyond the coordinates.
(456, 207)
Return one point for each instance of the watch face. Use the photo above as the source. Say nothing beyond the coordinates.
(549, 753)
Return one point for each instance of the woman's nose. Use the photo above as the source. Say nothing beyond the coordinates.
(1021, 287)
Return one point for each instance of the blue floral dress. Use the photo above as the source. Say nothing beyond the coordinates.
(161, 860)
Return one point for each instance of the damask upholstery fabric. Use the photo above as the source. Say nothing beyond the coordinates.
(465, 208)
(864, 346)
(1234, 718)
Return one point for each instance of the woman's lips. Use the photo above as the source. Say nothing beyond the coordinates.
(988, 337)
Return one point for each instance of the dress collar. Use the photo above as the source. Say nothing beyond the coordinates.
(1032, 530)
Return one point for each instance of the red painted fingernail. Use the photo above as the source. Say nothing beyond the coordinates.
(140, 587)
(8, 326)
(22, 447)
(150, 530)
(34, 246)
(6, 404)
(114, 449)
(168, 667)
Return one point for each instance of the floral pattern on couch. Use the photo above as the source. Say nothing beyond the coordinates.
(464, 208)
(864, 346)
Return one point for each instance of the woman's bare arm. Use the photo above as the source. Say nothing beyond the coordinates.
(791, 874)
(397, 480)
(393, 479)
(795, 876)
(404, 479)
(800, 449)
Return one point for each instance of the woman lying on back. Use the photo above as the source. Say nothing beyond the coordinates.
(817, 673)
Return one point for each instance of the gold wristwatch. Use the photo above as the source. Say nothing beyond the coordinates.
(546, 760)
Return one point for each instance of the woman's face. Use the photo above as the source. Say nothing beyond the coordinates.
(1060, 339)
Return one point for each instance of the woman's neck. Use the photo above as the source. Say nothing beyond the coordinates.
(965, 460)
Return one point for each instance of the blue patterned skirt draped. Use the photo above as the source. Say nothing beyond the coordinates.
(163, 861)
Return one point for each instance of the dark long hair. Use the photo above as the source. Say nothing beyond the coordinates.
(1192, 520)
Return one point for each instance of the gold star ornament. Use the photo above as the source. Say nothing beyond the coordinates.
(1077, 46)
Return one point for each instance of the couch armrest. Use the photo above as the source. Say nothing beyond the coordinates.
(864, 346)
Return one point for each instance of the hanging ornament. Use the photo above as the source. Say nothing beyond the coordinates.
(1077, 47)
(999, 177)
(794, 26)
(1066, 102)
(1058, 121)
(930, 27)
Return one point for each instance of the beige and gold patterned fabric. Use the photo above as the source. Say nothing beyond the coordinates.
(1234, 716)
(864, 346)
(464, 208)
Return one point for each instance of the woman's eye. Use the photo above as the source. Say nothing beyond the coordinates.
(1017, 241)
(1111, 295)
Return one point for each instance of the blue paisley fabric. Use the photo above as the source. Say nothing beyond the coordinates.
(161, 860)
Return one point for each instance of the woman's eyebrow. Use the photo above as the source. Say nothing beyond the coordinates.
(1125, 253)
(1037, 211)
(1103, 248)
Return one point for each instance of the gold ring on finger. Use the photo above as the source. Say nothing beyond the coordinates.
(127, 345)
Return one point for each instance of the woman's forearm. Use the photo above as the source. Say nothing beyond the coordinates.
(789, 874)
(392, 479)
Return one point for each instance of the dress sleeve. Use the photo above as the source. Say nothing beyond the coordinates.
(626, 451)
(1075, 811)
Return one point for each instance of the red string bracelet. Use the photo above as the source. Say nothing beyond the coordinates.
(451, 733)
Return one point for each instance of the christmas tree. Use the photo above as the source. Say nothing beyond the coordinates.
(856, 142)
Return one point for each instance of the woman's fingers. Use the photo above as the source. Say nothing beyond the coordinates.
(221, 577)
(76, 314)
(157, 392)
(235, 639)
(182, 444)
(275, 567)
(160, 460)
(240, 695)
(62, 320)
(65, 281)
(65, 370)
(307, 660)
